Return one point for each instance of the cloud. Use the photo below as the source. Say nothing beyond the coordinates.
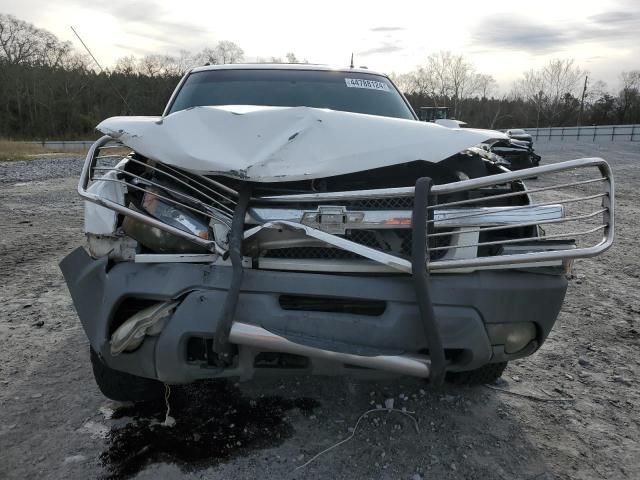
(610, 17)
(164, 32)
(383, 48)
(134, 49)
(386, 29)
(148, 19)
(517, 33)
(613, 24)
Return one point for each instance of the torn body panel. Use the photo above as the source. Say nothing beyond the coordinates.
(463, 306)
(101, 220)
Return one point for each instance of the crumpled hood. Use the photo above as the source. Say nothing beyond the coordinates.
(271, 144)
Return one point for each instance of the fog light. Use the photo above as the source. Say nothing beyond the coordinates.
(514, 336)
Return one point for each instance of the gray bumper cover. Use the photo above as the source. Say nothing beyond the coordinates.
(463, 304)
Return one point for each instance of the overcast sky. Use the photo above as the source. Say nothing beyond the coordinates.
(500, 38)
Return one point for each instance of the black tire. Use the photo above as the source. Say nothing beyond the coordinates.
(486, 374)
(124, 387)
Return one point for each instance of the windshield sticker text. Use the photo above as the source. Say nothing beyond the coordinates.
(363, 83)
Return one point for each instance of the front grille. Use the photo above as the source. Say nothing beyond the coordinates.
(392, 203)
(434, 242)
(397, 241)
(306, 303)
(369, 238)
(389, 203)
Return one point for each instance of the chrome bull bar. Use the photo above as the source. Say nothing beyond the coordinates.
(462, 213)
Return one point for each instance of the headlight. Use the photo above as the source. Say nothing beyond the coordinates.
(160, 241)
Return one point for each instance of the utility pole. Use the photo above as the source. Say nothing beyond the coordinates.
(584, 92)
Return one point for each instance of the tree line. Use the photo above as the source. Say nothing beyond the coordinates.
(50, 90)
(556, 95)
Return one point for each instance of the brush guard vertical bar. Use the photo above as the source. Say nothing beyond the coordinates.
(420, 272)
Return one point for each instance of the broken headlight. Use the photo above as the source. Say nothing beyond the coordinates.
(158, 240)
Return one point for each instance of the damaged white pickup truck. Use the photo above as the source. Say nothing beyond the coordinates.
(299, 219)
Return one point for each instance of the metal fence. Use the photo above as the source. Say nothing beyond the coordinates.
(608, 133)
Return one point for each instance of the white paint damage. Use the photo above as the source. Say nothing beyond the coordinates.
(101, 220)
(270, 144)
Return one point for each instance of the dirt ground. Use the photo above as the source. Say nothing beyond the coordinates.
(54, 423)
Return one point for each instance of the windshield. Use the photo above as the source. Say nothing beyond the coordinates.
(344, 91)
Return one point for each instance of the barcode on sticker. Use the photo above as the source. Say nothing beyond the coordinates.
(363, 83)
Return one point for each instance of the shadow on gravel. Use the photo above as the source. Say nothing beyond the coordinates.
(213, 422)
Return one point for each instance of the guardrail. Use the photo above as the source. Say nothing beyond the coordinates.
(63, 145)
(609, 133)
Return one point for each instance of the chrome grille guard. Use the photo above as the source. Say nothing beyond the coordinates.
(591, 199)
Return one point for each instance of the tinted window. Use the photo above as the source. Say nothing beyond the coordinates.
(344, 91)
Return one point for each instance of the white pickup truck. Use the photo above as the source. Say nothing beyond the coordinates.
(299, 219)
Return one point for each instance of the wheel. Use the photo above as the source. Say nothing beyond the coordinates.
(122, 386)
(486, 374)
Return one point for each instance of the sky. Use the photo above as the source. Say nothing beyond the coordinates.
(500, 38)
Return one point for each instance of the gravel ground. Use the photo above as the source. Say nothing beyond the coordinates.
(55, 424)
(40, 169)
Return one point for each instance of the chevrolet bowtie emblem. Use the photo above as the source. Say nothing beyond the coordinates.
(331, 219)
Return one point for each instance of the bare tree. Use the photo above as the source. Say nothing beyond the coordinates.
(126, 65)
(205, 56)
(561, 77)
(630, 79)
(447, 77)
(228, 52)
(18, 40)
(152, 65)
(183, 62)
(597, 90)
(437, 71)
(547, 88)
(486, 85)
(530, 88)
(223, 52)
(155, 65)
(51, 52)
(463, 80)
(23, 43)
(630, 94)
(420, 81)
(291, 58)
(406, 82)
(76, 61)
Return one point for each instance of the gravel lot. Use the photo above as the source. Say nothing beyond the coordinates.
(55, 424)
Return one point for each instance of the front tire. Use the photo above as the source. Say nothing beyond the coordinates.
(122, 386)
(480, 376)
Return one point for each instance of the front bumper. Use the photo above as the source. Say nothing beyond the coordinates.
(463, 303)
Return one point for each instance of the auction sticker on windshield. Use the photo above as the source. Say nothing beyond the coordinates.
(363, 83)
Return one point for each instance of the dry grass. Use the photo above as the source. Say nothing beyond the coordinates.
(10, 150)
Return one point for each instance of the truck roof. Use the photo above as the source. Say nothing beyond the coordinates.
(284, 66)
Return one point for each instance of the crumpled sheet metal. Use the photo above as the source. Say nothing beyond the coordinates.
(271, 144)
